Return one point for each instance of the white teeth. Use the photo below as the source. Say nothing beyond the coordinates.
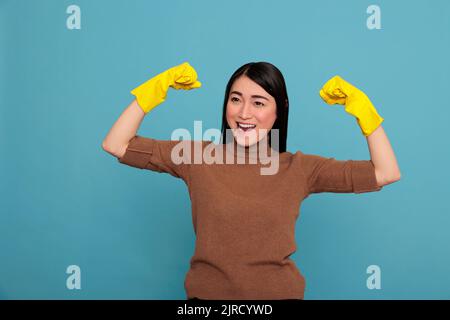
(246, 125)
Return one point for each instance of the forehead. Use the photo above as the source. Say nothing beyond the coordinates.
(248, 87)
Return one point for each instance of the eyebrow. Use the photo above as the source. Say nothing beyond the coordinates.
(253, 96)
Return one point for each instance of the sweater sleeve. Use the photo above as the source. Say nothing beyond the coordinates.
(155, 155)
(342, 176)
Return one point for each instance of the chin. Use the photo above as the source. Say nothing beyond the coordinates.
(245, 144)
(245, 140)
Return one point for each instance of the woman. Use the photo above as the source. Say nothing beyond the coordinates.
(245, 220)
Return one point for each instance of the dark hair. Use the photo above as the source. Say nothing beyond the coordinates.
(271, 79)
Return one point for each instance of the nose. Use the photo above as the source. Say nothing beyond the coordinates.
(246, 111)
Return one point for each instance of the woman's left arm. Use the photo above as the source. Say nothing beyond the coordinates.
(383, 157)
(338, 91)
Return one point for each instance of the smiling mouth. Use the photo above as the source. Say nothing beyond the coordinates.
(246, 127)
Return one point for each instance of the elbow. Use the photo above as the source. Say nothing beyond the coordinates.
(384, 179)
(106, 147)
(395, 177)
(392, 178)
(117, 152)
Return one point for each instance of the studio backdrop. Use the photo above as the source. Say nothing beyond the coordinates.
(77, 224)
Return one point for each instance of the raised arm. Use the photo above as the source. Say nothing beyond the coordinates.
(123, 130)
(148, 95)
(383, 157)
(338, 91)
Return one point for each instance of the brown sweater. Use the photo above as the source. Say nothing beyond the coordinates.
(245, 221)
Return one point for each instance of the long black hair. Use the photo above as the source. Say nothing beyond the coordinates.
(270, 79)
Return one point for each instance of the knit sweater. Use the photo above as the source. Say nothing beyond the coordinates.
(244, 221)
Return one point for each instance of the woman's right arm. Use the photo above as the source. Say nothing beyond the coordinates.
(149, 95)
(125, 128)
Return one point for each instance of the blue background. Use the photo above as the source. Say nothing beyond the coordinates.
(66, 201)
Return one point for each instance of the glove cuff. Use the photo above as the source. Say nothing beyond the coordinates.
(366, 115)
(369, 126)
(152, 92)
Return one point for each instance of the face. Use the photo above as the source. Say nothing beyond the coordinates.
(251, 111)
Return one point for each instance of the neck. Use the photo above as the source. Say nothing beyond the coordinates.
(258, 152)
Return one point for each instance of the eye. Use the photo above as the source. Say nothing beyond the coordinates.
(234, 98)
(260, 104)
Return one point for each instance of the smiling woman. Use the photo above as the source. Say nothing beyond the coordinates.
(244, 220)
(248, 114)
(256, 98)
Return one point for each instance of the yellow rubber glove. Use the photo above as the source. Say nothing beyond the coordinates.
(154, 91)
(338, 91)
